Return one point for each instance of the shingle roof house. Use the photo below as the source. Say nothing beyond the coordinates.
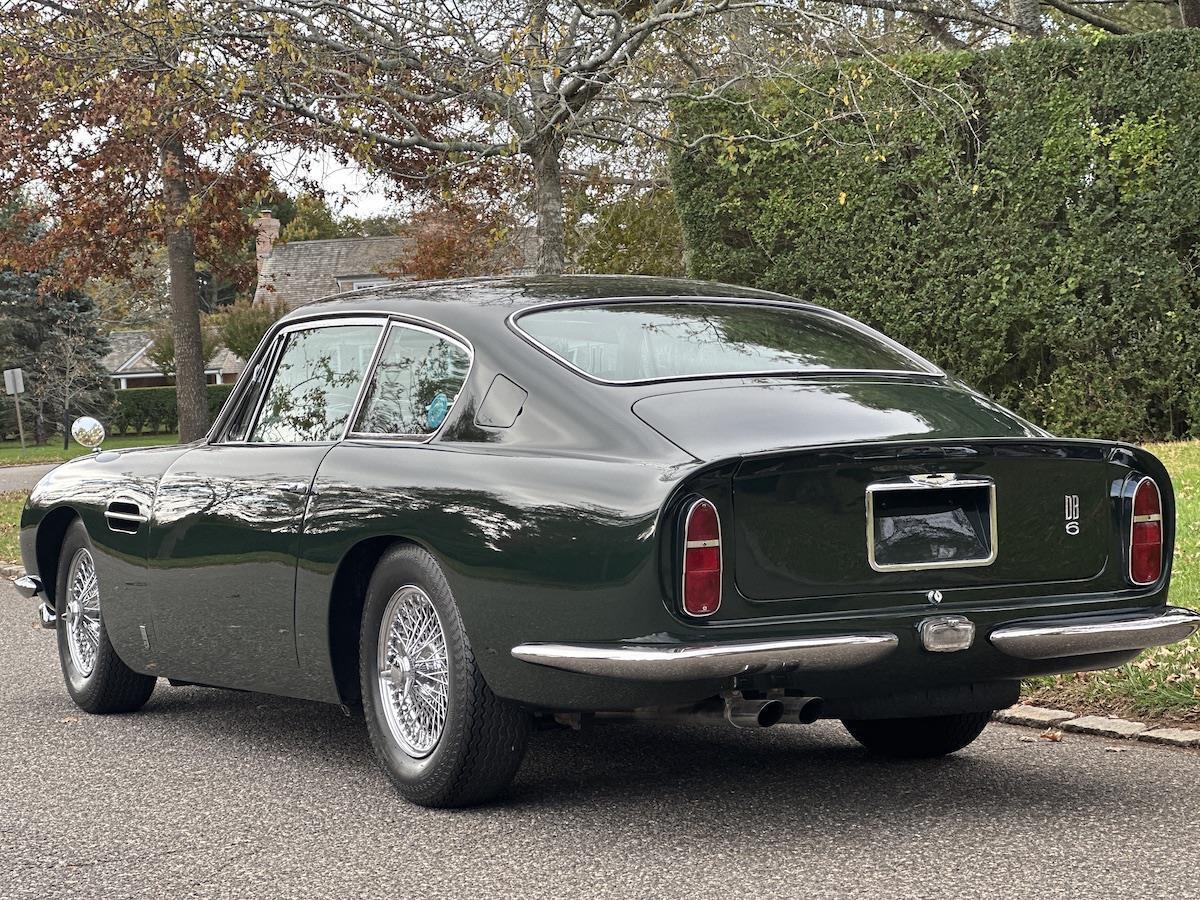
(299, 271)
(129, 366)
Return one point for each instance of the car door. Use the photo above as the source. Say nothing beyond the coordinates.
(227, 515)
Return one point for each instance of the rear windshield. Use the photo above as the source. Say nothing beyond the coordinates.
(647, 341)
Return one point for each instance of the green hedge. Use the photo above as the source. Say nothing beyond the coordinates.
(1028, 218)
(154, 411)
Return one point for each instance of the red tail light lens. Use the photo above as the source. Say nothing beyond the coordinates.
(1146, 534)
(702, 560)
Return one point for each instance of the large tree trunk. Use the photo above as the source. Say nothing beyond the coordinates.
(191, 394)
(1027, 17)
(548, 193)
(1189, 13)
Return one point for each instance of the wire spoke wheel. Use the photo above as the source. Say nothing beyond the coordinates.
(82, 612)
(413, 666)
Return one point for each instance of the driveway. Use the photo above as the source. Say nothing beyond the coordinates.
(22, 478)
(219, 794)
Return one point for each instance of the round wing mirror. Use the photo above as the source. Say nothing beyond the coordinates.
(88, 432)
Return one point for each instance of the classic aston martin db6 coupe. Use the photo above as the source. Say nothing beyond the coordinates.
(467, 506)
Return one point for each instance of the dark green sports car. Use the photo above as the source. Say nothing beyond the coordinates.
(465, 507)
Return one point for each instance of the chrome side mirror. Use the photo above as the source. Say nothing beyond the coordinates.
(88, 432)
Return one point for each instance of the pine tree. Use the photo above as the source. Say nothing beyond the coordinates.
(57, 340)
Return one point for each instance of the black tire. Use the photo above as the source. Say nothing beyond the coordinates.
(110, 686)
(483, 738)
(919, 738)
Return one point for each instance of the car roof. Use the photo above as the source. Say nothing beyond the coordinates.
(506, 295)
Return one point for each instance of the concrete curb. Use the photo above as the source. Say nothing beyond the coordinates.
(1100, 726)
(11, 570)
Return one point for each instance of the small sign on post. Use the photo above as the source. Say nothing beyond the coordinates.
(14, 386)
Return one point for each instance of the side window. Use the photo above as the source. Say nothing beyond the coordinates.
(416, 382)
(312, 391)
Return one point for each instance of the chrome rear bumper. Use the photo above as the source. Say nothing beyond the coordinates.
(1084, 637)
(693, 662)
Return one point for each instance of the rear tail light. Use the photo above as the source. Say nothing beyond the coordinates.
(1146, 534)
(701, 560)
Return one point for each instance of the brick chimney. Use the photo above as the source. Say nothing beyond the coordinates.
(266, 227)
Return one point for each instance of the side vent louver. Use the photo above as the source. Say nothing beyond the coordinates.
(125, 516)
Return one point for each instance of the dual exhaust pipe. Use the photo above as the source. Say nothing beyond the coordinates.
(764, 713)
(734, 709)
(742, 713)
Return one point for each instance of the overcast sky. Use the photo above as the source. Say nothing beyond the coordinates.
(349, 190)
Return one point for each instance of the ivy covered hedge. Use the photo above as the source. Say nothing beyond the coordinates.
(1028, 218)
(153, 410)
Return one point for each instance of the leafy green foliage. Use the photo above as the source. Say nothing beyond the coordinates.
(1024, 217)
(243, 325)
(312, 220)
(162, 351)
(634, 233)
(154, 410)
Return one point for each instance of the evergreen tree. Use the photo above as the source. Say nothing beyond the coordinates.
(56, 339)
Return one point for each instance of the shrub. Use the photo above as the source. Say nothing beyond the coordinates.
(1026, 219)
(153, 410)
(242, 325)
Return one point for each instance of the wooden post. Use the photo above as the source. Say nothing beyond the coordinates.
(20, 424)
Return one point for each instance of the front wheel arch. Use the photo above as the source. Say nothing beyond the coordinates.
(51, 532)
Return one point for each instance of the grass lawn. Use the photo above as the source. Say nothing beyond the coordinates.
(11, 453)
(1163, 682)
(10, 520)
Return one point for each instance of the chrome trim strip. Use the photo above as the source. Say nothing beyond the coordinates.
(28, 586)
(700, 545)
(1153, 517)
(1086, 637)
(939, 485)
(926, 368)
(692, 662)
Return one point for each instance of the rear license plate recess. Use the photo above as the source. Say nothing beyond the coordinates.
(939, 521)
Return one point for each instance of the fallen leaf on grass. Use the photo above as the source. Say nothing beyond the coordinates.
(1052, 734)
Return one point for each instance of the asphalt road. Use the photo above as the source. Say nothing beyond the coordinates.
(217, 794)
(22, 478)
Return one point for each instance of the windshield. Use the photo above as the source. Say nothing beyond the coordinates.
(668, 340)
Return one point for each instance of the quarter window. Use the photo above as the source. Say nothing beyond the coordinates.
(312, 391)
(416, 382)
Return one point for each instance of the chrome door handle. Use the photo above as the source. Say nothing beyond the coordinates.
(295, 487)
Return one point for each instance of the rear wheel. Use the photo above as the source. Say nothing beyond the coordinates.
(918, 738)
(443, 737)
(96, 678)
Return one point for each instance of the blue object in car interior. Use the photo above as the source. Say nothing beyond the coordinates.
(435, 412)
